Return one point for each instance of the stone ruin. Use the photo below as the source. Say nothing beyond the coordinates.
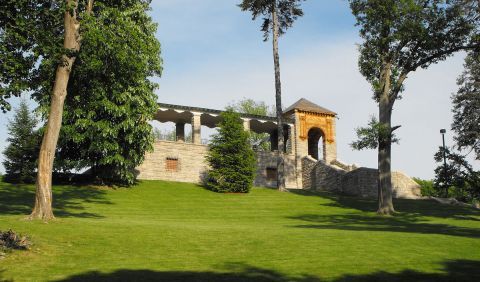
(310, 152)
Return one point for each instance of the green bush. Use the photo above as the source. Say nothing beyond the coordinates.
(231, 158)
(426, 187)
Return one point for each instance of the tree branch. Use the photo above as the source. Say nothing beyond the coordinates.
(395, 128)
(398, 87)
(443, 53)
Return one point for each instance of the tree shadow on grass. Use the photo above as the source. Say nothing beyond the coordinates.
(68, 201)
(404, 207)
(359, 222)
(458, 270)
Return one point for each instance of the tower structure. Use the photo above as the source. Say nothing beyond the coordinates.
(315, 133)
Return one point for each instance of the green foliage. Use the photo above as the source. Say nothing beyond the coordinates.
(30, 32)
(410, 34)
(111, 100)
(231, 158)
(426, 187)
(457, 179)
(22, 152)
(369, 137)
(260, 141)
(466, 106)
(288, 12)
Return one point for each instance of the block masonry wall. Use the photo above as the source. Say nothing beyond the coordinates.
(190, 159)
(357, 181)
(192, 167)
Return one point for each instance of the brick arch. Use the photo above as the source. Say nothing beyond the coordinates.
(321, 121)
(316, 134)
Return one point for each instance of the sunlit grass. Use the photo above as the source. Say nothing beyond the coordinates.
(165, 231)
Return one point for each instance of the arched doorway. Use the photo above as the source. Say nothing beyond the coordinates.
(316, 143)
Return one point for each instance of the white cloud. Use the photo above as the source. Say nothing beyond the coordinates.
(327, 74)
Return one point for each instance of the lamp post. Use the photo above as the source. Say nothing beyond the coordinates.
(443, 131)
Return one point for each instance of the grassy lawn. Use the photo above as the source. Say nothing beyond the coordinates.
(164, 231)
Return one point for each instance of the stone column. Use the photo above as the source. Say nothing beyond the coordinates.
(180, 132)
(291, 140)
(330, 148)
(246, 124)
(274, 140)
(196, 128)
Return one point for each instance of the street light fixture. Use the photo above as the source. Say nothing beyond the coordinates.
(443, 131)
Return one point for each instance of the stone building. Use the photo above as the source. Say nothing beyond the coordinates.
(310, 152)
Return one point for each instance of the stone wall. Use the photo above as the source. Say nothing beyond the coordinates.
(192, 167)
(190, 159)
(357, 182)
(308, 172)
(268, 160)
(361, 182)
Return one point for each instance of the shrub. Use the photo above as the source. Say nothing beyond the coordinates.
(10, 240)
(426, 187)
(231, 158)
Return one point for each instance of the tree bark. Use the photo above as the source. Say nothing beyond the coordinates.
(385, 202)
(278, 100)
(43, 195)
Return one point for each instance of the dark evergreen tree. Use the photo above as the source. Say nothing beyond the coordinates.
(231, 158)
(457, 179)
(466, 106)
(22, 152)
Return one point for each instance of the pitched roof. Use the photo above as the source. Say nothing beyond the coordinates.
(307, 106)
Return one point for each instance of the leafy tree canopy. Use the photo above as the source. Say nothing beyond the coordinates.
(410, 34)
(261, 141)
(110, 98)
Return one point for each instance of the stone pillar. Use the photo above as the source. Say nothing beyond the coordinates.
(180, 132)
(291, 140)
(246, 124)
(330, 152)
(301, 149)
(330, 148)
(274, 140)
(196, 128)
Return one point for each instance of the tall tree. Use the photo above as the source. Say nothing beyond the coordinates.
(71, 44)
(401, 36)
(40, 43)
(466, 106)
(111, 100)
(21, 153)
(278, 16)
(31, 31)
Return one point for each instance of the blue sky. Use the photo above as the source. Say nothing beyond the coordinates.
(214, 54)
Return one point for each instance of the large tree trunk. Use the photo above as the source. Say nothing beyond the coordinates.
(43, 195)
(278, 100)
(385, 203)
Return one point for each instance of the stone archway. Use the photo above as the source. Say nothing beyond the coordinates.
(316, 137)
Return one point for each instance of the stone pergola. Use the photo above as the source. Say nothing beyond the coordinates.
(198, 117)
